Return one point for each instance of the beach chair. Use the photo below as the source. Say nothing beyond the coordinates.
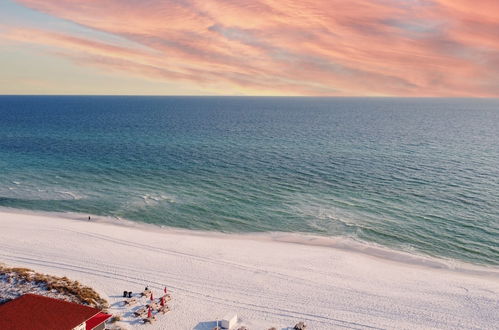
(140, 312)
(300, 326)
(153, 305)
(163, 309)
(149, 320)
(150, 317)
(131, 301)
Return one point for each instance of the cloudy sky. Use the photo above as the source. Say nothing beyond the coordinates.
(250, 47)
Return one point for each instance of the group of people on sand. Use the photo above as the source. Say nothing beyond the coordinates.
(149, 311)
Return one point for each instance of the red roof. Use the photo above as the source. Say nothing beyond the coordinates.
(96, 320)
(35, 312)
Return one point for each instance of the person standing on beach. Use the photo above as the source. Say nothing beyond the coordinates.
(88, 218)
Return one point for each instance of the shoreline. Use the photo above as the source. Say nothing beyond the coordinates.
(266, 282)
(339, 243)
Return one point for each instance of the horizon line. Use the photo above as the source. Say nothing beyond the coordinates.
(263, 96)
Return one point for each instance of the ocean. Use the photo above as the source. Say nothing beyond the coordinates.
(417, 175)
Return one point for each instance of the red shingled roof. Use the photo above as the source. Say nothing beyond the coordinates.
(36, 312)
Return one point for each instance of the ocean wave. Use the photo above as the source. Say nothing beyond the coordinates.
(157, 198)
(72, 195)
(148, 200)
(325, 218)
(33, 194)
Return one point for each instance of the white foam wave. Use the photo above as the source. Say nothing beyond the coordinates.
(35, 193)
(153, 199)
(72, 195)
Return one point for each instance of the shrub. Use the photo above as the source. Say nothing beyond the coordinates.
(63, 285)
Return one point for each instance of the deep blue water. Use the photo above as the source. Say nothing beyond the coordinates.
(415, 174)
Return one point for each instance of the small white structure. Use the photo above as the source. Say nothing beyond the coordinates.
(229, 321)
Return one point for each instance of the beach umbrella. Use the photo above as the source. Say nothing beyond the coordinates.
(152, 298)
(165, 290)
(149, 312)
(162, 301)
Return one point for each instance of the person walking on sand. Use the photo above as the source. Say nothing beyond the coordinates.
(88, 218)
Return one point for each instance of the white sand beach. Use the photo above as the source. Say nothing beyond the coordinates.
(266, 282)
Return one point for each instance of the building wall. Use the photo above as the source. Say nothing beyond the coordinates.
(101, 326)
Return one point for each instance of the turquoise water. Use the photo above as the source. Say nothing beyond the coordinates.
(421, 175)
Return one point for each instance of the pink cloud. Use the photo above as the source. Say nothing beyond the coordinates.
(357, 47)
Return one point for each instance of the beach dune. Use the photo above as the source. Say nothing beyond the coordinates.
(265, 282)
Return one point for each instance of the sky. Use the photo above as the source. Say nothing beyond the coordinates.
(413, 48)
